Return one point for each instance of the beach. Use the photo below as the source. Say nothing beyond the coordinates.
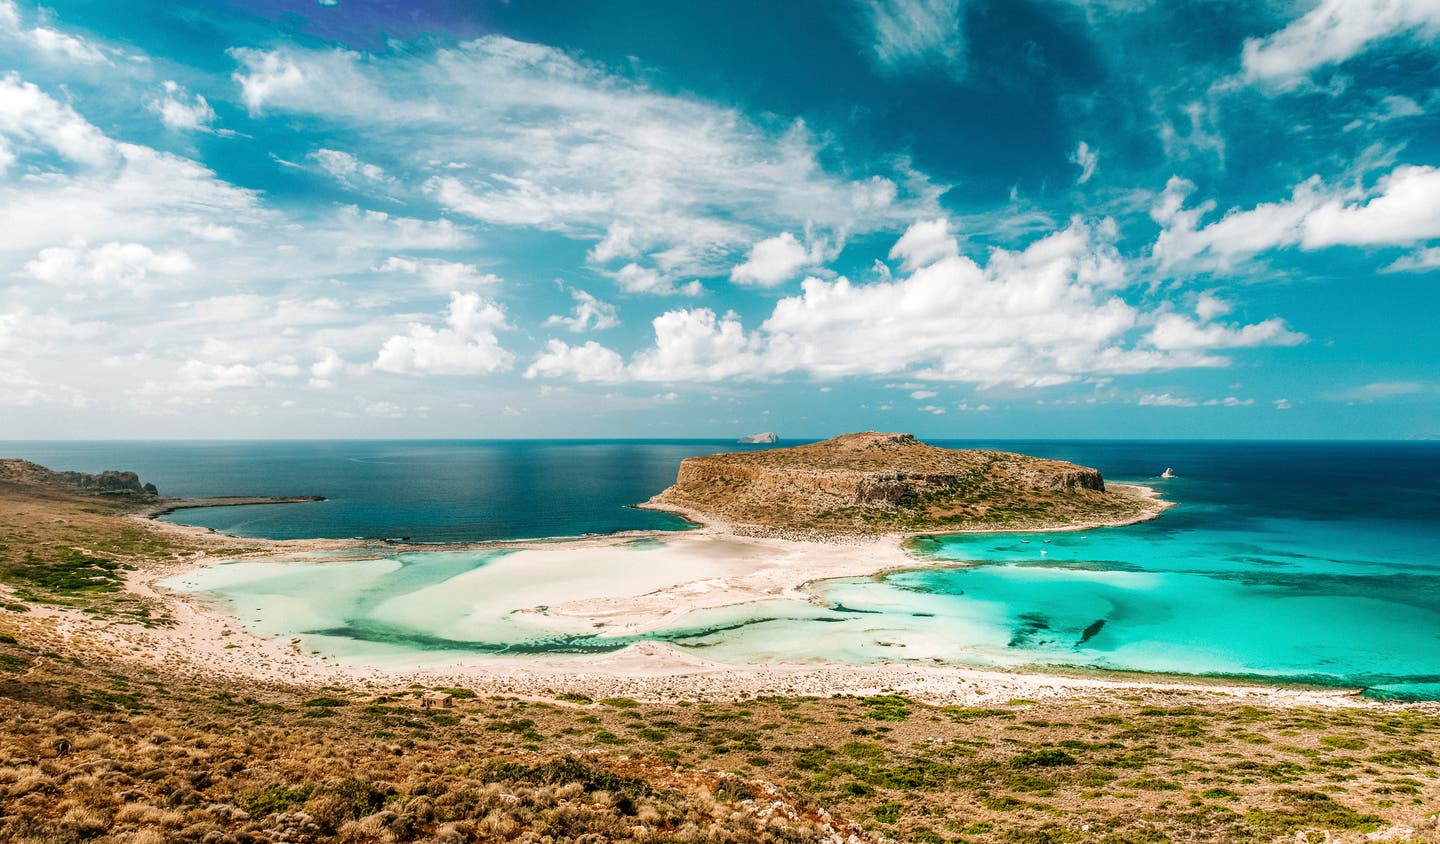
(571, 585)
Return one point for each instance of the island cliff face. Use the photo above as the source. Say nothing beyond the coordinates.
(878, 483)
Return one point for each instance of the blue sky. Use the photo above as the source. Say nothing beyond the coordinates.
(1068, 218)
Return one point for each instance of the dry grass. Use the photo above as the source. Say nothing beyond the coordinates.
(92, 750)
(96, 752)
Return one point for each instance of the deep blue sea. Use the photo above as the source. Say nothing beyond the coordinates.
(1304, 561)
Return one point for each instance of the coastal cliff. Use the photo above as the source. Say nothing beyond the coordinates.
(106, 483)
(873, 482)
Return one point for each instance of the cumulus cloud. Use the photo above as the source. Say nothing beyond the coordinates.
(1334, 31)
(181, 111)
(911, 33)
(1402, 208)
(519, 134)
(589, 314)
(465, 345)
(131, 267)
(776, 260)
(1045, 315)
(925, 243)
(588, 362)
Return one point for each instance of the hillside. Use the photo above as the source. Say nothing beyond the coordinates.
(872, 482)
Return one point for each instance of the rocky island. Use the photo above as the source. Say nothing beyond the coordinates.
(877, 483)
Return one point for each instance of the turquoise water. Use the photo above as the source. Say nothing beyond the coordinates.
(1316, 562)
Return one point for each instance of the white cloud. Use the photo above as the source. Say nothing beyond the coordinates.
(634, 278)
(327, 367)
(1208, 306)
(696, 345)
(616, 244)
(925, 243)
(589, 314)
(130, 267)
(588, 362)
(180, 111)
(1085, 158)
(1173, 332)
(1333, 31)
(22, 329)
(439, 274)
(1381, 391)
(467, 345)
(383, 409)
(1282, 404)
(150, 196)
(1168, 400)
(1405, 209)
(19, 388)
(350, 170)
(519, 134)
(1046, 315)
(27, 113)
(908, 33)
(921, 395)
(46, 40)
(776, 260)
(1402, 208)
(200, 376)
(1423, 260)
(1165, 400)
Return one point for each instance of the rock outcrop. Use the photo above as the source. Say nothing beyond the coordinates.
(761, 439)
(877, 482)
(105, 483)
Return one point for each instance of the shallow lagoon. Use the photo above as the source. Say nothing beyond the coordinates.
(1299, 561)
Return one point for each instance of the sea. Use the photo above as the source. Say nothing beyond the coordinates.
(1290, 562)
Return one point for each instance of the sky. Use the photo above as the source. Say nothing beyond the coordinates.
(640, 218)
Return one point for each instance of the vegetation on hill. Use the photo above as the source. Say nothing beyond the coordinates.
(880, 483)
(93, 749)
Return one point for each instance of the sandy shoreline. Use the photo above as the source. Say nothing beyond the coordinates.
(204, 642)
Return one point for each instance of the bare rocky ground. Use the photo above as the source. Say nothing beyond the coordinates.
(874, 483)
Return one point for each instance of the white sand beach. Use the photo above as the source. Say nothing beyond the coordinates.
(580, 585)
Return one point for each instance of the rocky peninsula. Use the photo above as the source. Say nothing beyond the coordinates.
(873, 483)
